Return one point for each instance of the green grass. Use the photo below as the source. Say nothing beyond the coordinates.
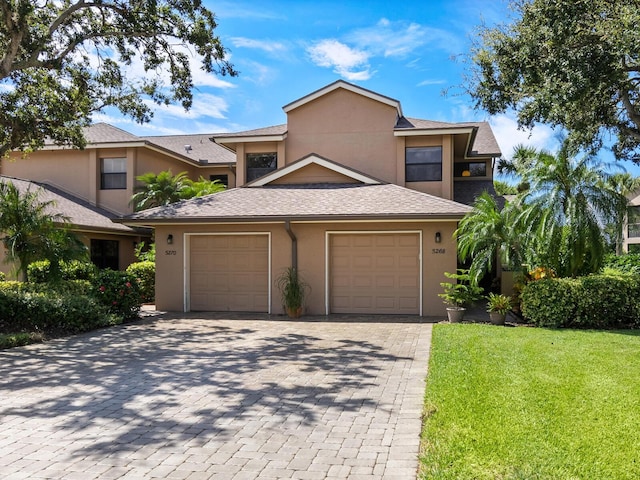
(529, 403)
(10, 340)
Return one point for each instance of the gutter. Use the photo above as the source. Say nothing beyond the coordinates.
(294, 245)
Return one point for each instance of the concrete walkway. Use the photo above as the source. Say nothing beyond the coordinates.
(217, 397)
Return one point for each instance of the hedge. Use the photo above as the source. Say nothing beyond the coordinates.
(594, 301)
(145, 274)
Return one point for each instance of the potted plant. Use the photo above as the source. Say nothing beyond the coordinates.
(498, 306)
(293, 290)
(458, 294)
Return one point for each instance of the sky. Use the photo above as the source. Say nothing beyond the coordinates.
(412, 51)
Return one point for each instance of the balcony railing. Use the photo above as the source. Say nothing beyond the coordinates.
(634, 230)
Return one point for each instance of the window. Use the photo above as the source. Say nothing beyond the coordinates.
(259, 164)
(113, 173)
(423, 164)
(470, 169)
(223, 179)
(104, 253)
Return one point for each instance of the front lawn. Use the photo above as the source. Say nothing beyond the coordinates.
(516, 403)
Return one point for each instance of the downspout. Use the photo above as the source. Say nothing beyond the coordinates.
(294, 245)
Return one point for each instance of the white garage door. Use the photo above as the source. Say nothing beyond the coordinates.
(229, 273)
(374, 273)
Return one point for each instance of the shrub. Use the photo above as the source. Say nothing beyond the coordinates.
(145, 274)
(118, 292)
(49, 311)
(549, 302)
(594, 301)
(628, 263)
(40, 272)
(145, 253)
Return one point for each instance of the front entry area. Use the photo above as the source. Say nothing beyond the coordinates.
(229, 273)
(374, 273)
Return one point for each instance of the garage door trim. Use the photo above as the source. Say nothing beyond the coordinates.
(327, 259)
(187, 262)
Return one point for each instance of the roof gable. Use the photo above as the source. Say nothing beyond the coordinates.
(346, 86)
(313, 159)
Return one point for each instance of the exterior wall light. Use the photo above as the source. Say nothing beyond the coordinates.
(170, 239)
(438, 237)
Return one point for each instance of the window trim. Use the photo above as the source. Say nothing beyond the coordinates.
(122, 184)
(407, 165)
(267, 170)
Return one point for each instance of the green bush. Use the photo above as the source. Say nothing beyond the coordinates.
(40, 272)
(118, 292)
(628, 263)
(549, 302)
(145, 274)
(50, 312)
(594, 301)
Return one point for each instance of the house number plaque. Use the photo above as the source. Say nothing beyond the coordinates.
(170, 252)
(438, 251)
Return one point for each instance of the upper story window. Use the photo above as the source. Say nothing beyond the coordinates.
(223, 179)
(113, 173)
(470, 169)
(259, 164)
(423, 164)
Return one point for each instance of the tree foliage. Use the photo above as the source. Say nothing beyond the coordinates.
(31, 232)
(164, 188)
(62, 61)
(569, 63)
(560, 220)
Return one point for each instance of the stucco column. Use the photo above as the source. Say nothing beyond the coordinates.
(94, 177)
(447, 167)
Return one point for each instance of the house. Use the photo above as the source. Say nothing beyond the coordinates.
(361, 199)
(631, 227)
(94, 185)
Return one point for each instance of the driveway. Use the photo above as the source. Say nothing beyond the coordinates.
(207, 397)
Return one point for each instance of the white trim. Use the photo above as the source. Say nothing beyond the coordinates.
(368, 232)
(347, 86)
(187, 262)
(270, 177)
(414, 132)
(252, 138)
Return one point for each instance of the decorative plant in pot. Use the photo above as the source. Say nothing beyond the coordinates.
(459, 294)
(294, 291)
(498, 306)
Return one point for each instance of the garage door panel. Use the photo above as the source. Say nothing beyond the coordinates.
(229, 273)
(374, 273)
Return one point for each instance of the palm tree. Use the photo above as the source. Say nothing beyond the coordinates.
(567, 207)
(488, 232)
(202, 187)
(32, 232)
(159, 189)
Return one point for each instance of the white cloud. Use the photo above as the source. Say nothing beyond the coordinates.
(505, 129)
(257, 73)
(204, 105)
(427, 82)
(398, 39)
(264, 45)
(347, 62)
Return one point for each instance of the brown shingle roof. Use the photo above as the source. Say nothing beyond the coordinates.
(81, 214)
(297, 202)
(271, 130)
(484, 144)
(202, 151)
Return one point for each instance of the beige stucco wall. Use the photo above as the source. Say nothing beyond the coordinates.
(347, 128)
(170, 266)
(69, 170)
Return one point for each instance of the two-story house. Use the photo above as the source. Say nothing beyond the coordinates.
(95, 185)
(362, 200)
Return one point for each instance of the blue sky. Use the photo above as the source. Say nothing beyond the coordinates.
(411, 51)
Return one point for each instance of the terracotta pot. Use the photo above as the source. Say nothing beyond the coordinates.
(456, 314)
(295, 312)
(497, 318)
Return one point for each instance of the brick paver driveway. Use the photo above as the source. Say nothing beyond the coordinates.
(194, 398)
